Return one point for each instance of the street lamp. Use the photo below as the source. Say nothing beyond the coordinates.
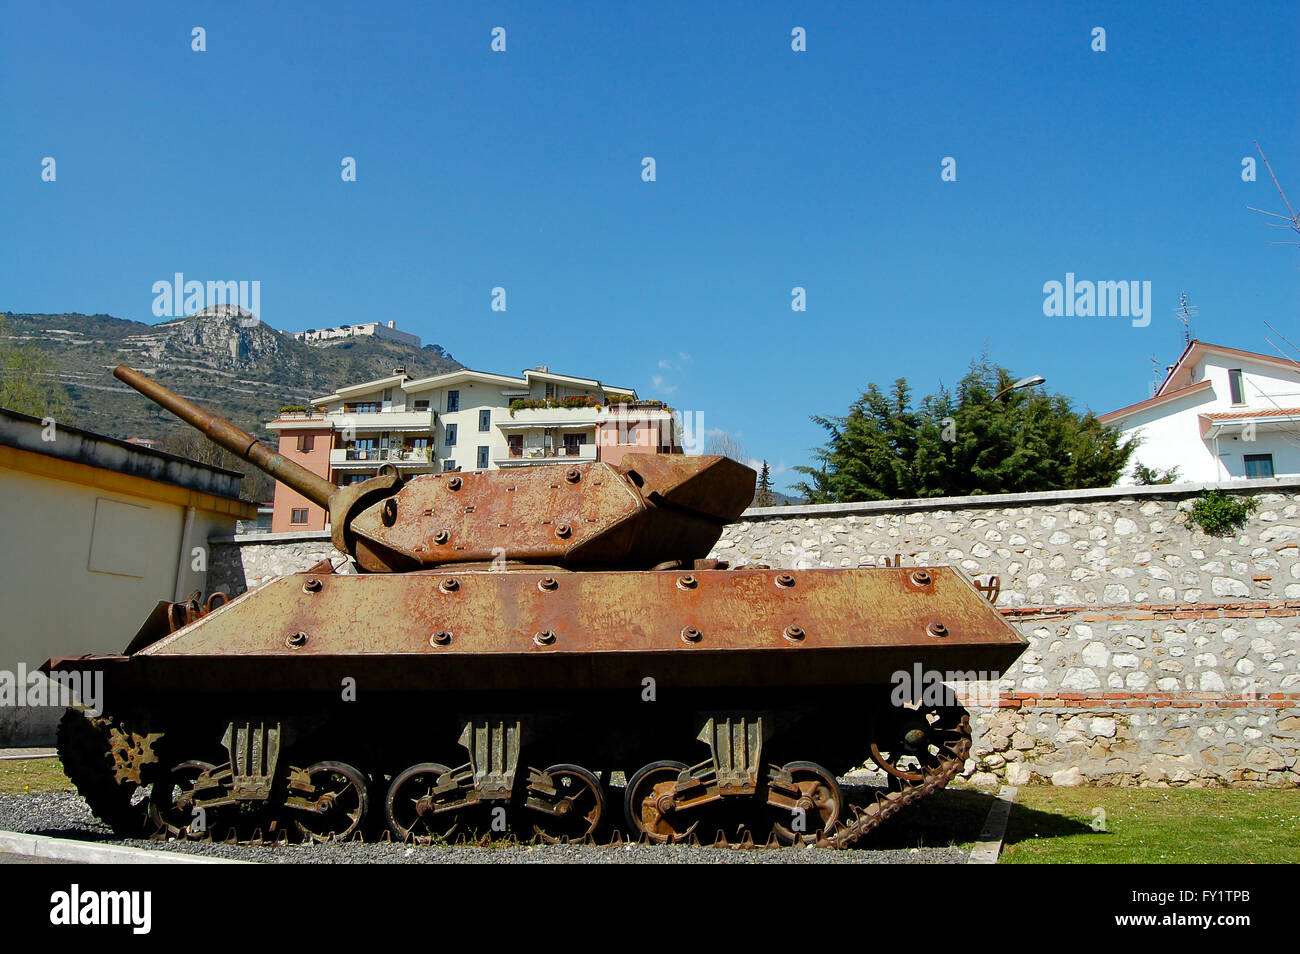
(1032, 381)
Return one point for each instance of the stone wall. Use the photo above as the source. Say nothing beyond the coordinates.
(246, 561)
(1158, 655)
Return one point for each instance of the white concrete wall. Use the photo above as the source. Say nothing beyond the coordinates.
(80, 570)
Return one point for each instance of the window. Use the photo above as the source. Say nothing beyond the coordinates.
(362, 407)
(299, 517)
(453, 401)
(1234, 385)
(388, 394)
(448, 464)
(482, 463)
(1259, 465)
(451, 435)
(484, 420)
(572, 442)
(306, 442)
(347, 479)
(421, 405)
(550, 389)
(516, 442)
(363, 448)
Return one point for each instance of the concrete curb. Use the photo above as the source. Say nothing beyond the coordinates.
(14, 754)
(988, 847)
(66, 849)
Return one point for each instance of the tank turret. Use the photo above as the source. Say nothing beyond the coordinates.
(650, 510)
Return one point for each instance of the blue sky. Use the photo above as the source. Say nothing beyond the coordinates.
(775, 169)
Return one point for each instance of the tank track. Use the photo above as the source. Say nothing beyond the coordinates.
(866, 820)
(92, 754)
(86, 749)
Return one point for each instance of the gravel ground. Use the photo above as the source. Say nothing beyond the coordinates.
(64, 815)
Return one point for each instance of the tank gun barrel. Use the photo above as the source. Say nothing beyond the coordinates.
(312, 486)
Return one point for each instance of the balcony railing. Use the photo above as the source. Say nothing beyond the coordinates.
(538, 455)
(385, 420)
(551, 417)
(378, 455)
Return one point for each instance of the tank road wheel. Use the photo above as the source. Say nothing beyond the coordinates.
(816, 810)
(336, 806)
(647, 802)
(171, 802)
(916, 741)
(415, 811)
(573, 809)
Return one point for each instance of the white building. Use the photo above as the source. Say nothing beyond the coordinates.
(386, 331)
(1220, 414)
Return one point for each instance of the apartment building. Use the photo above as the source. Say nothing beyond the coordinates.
(462, 420)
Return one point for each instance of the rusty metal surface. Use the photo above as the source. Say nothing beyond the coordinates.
(591, 630)
(530, 513)
(637, 514)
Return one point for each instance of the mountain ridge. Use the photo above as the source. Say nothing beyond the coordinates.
(222, 358)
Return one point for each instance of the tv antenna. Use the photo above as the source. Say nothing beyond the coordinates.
(1185, 313)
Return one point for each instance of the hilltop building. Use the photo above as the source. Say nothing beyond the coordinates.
(1220, 413)
(386, 331)
(462, 420)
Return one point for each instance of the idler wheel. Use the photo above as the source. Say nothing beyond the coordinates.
(649, 805)
(171, 802)
(910, 744)
(818, 804)
(339, 802)
(573, 811)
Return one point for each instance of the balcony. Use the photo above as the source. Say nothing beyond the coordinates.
(563, 417)
(417, 421)
(356, 458)
(542, 455)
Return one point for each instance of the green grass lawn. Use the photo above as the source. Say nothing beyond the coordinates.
(32, 775)
(1153, 826)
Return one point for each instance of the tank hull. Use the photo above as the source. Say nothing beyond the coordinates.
(441, 631)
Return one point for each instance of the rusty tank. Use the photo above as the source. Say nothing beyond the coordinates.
(502, 645)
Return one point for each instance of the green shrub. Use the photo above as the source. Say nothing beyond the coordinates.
(1219, 514)
(1146, 476)
(575, 401)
